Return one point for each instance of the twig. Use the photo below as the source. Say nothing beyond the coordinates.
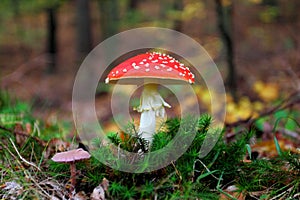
(25, 171)
(290, 101)
(23, 159)
(204, 167)
(36, 128)
(296, 195)
(38, 185)
(283, 193)
(41, 142)
(177, 172)
(17, 75)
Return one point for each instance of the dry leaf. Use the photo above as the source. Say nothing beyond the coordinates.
(20, 139)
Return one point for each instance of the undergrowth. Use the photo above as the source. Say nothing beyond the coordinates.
(27, 174)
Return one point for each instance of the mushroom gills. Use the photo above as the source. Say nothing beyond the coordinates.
(152, 108)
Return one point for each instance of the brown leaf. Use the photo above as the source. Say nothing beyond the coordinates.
(20, 139)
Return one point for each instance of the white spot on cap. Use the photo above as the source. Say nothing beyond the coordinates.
(169, 69)
(176, 66)
(157, 67)
(147, 70)
(133, 64)
(171, 61)
(141, 63)
(147, 65)
(136, 67)
(160, 58)
(154, 61)
(190, 81)
(107, 80)
(117, 72)
(124, 70)
(166, 62)
(144, 60)
(162, 65)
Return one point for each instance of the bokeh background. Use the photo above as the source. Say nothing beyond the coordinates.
(255, 44)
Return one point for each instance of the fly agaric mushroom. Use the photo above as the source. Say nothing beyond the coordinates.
(150, 69)
(71, 157)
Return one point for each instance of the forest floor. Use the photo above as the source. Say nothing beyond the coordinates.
(260, 56)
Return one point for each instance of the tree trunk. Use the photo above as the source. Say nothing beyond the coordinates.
(84, 33)
(178, 6)
(51, 42)
(225, 16)
(109, 12)
(16, 7)
(133, 4)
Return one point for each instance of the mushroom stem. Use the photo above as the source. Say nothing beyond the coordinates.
(73, 175)
(151, 107)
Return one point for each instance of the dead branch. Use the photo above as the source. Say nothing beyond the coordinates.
(23, 159)
(22, 133)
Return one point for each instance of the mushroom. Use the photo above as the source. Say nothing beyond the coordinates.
(71, 157)
(150, 69)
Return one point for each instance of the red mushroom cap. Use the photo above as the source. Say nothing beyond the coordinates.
(71, 156)
(157, 67)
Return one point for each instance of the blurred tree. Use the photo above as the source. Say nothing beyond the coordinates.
(133, 4)
(178, 6)
(84, 33)
(270, 2)
(16, 7)
(225, 16)
(289, 12)
(109, 14)
(164, 9)
(51, 41)
(51, 8)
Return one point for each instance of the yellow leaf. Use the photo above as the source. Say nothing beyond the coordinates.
(255, 1)
(266, 91)
(258, 86)
(226, 2)
(244, 102)
(244, 113)
(231, 107)
(258, 106)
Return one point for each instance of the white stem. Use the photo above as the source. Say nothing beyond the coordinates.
(152, 106)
